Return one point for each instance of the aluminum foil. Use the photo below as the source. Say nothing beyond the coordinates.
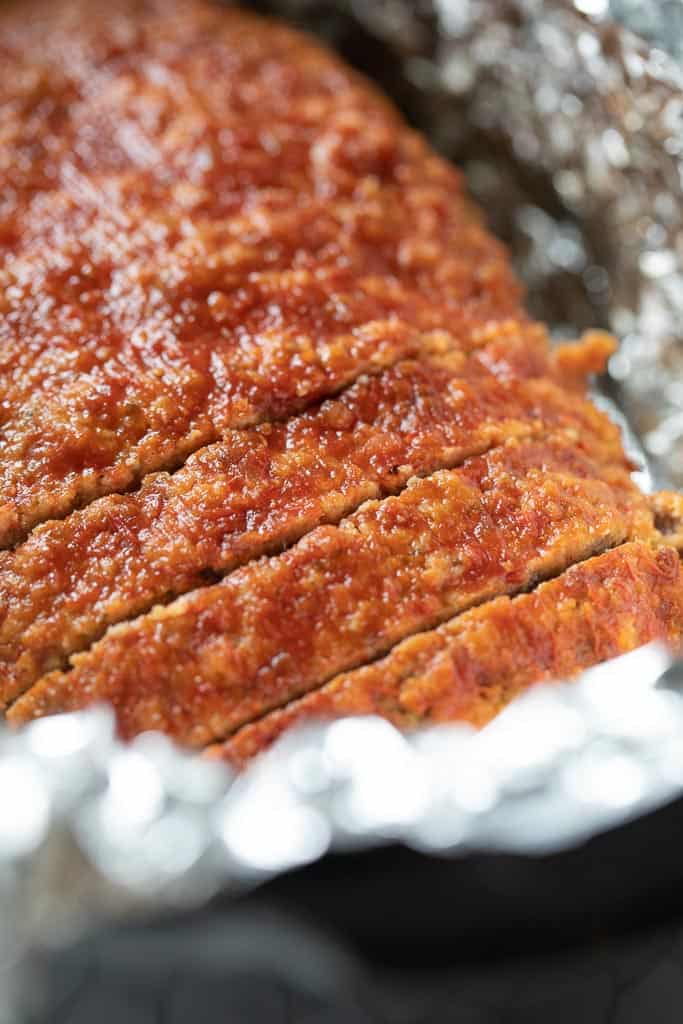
(593, 119)
(570, 131)
(90, 827)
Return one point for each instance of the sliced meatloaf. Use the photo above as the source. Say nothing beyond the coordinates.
(345, 594)
(273, 418)
(209, 222)
(471, 667)
(258, 491)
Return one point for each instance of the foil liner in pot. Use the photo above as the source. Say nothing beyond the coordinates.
(570, 130)
(91, 828)
(597, 117)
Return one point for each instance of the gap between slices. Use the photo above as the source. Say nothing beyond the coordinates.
(343, 595)
(150, 304)
(261, 490)
(471, 667)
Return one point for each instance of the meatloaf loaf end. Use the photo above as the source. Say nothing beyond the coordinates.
(278, 440)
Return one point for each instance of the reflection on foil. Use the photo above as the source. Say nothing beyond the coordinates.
(89, 826)
(570, 132)
(596, 119)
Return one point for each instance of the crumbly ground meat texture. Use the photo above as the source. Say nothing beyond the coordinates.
(208, 222)
(468, 669)
(343, 595)
(260, 490)
(224, 256)
(668, 511)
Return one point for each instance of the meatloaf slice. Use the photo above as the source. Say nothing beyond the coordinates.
(210, 222)
(471, 667)
(260, 490)
(343, 595)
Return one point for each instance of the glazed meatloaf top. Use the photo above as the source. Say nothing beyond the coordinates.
(278, 439)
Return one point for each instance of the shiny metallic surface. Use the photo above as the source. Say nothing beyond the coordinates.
(571, 130)
(597, 117)
(93, 828)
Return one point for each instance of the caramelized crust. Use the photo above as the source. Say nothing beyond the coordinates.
(224, 256)
(468, 669)
(343, 595)
(207, 222)
(260, 490)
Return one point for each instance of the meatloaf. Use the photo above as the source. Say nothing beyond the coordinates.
(278, 440)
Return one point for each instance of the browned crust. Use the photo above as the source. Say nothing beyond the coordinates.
(208, 225)
(273, 629)
(468, 669)
(209, 222)
(259, 491)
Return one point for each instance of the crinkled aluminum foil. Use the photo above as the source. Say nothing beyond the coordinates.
(90, 827)
(570, 130)
(597, 118)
